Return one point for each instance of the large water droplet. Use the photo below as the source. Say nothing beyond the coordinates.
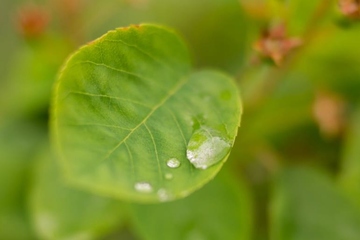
(173, 163)
(144, 187)
(207, 147)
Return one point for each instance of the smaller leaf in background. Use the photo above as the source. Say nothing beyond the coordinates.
(288, 107)
(349, 177)
(336, 69)
(307, 205)
(128, 102)
(275, 121)
(60, 212)
(220, 210)
(19, 141)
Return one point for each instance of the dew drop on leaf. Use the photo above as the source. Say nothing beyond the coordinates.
(144, 187)
(163, 195)
(46, 223)
(173, 163)
(207, 147)
(168, 176)
(195, 234)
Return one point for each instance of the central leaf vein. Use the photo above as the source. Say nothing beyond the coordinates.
(131, 159)
(182, 134)
(161, 103)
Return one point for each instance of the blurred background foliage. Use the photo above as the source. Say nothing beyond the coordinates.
(294, 172)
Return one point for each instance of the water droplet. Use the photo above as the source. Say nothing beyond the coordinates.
(195, 234)
(144, 187)
(207, 147)
(173, 163)
(163, 195)
(168, 176)
(206, 97)
(47, 224)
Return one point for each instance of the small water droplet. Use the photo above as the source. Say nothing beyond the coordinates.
(207, 147)
(144, 187)
(47, 223)
(195, 234)
(163, 195)
(206, 97)
(168, 176)
(173, 163)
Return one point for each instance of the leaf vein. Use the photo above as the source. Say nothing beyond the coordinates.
(140, 50)
(111, 97)
(178, 126)
(161, 103)
(156, 152)
(119, 70)
(112, 68)
(100, 125)
(182, 134)
(131, 159)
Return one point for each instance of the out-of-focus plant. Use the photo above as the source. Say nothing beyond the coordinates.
(127, 137)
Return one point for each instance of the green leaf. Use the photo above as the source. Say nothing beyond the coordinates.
(19, 141)
(302, 15)
(292, 88)
(220, 210)
(349, 176)
(128, 103)
(335, 54)
(60, 212)
(306, 205)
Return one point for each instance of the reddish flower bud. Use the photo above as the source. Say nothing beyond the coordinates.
(275, 45)
(329, 113)
(350, 8)
(32, 21)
